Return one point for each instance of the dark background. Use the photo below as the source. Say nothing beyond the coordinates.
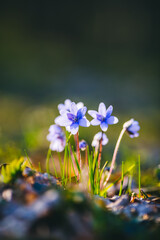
(84, 50)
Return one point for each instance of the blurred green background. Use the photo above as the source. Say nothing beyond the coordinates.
(88, 51)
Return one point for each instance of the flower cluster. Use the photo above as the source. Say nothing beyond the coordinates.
(73, 115)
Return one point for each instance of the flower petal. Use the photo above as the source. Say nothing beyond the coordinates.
(74, 128)
(57, 145)
(112, 120)
(74, 125)
(94, 143)
(109, 111)
(50, 137)
(55, 129)
(62, 121)
(81, 112)
(102, 109)
(134, 135)
(84, 122)
(80, 105)
(95, 122)
(92, 113)
(104, 139)
(74, 108)
(134, 128)
(68, 128)
(71, 117)
(61, 106)
(98, 136)
(104, 126)
(68, 104)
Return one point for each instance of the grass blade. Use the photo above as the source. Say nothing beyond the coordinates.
(139, 176)
(60, 163)
(122, 177)
(39, 166)
(54, 166)
(112, 184)
(47, 161)
(72, 165)
(28, 158)
(76, 161)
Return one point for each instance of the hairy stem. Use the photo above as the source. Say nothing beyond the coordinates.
(100, 153)
(115, 153)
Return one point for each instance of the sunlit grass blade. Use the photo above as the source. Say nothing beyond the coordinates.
(29, 161)
(91, 172)
(102, 170)
(47, 161)
(129, 190)
(97, 179)
(117, 180)
(55, 170)
(122, 177)
(39, 166)
(60, 163)
(95, 159)
(76, 161)
(64, 165)
(70, 157)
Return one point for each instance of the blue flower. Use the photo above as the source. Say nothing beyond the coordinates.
(82, 145)
(97, 138)
(132, 127)
(73, 119)
(66, 107)
(57, 138)
(103, 117)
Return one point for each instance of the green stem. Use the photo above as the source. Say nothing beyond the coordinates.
(115, 153)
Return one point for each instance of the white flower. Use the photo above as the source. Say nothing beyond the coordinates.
(97, 139)
(57, 138)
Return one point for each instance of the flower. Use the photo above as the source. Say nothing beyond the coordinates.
(57, 138)
(103, 117)
(132, 127)
(82, 145)
(66, 107)
(98, 137)
(73, 119)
